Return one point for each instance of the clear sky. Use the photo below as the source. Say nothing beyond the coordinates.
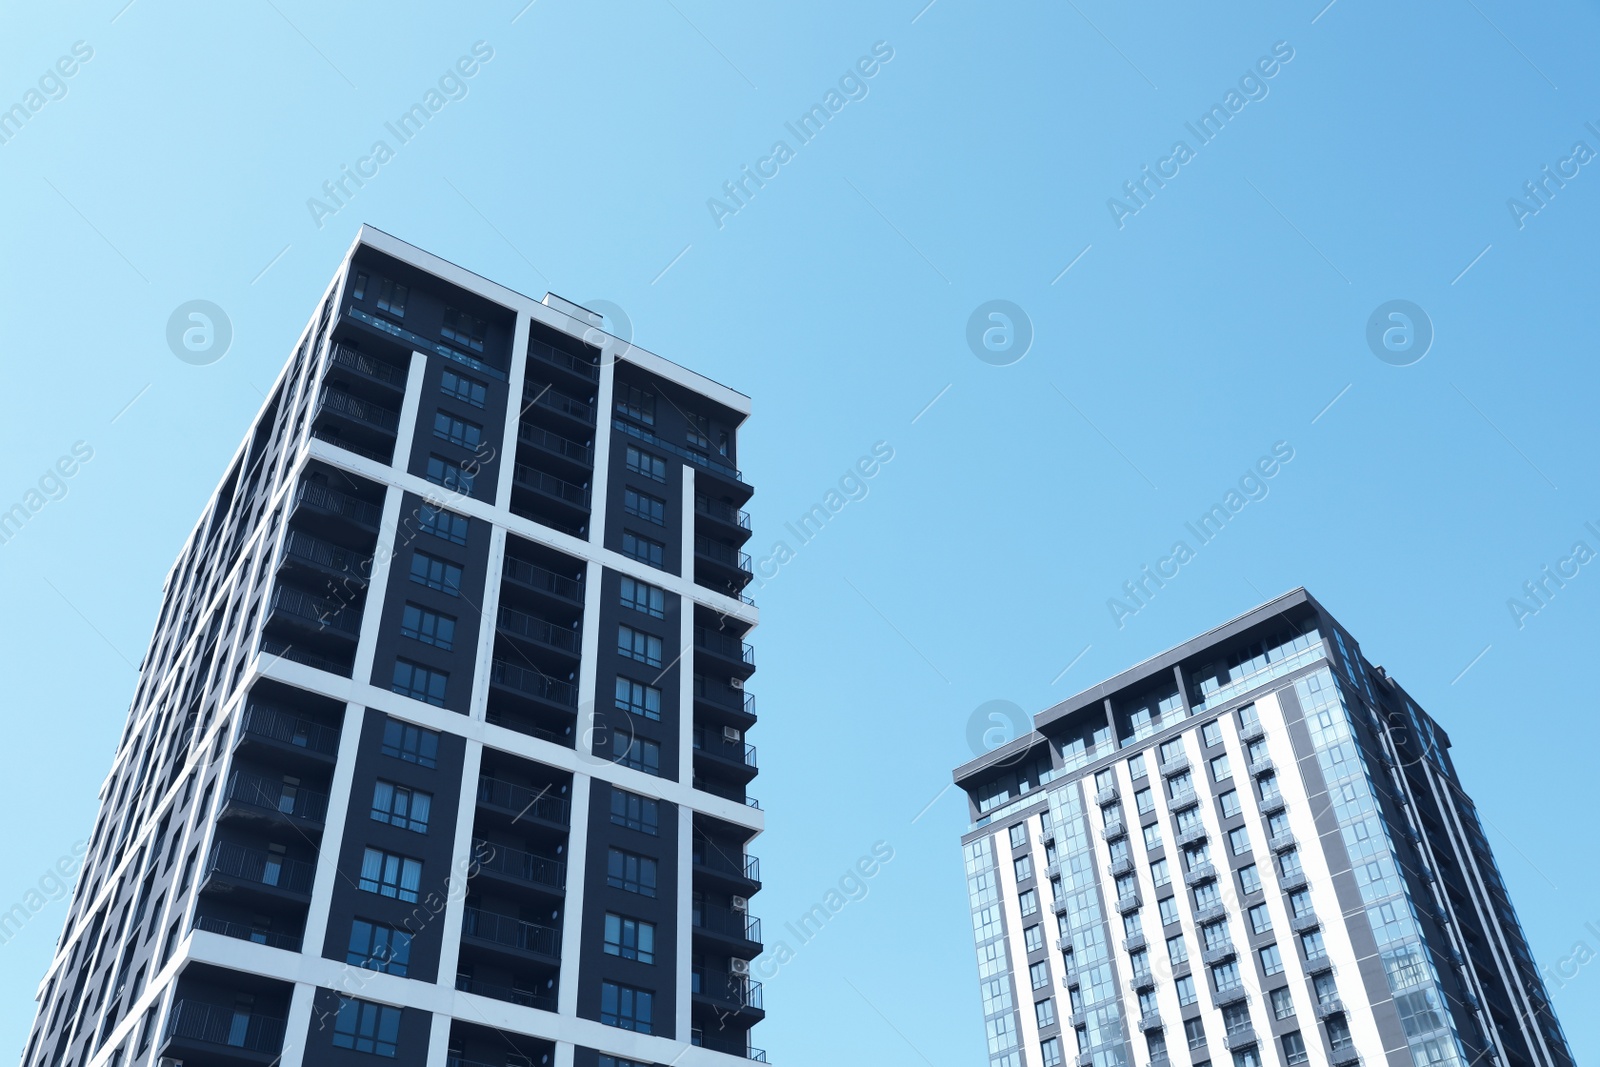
(1175, 339)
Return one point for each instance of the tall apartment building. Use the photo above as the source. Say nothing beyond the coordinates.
(1250, 850)
(438, 754)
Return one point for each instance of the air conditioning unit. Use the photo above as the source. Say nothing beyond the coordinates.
(736, 683)
(732, 735)
(739, 967)
(739, 904)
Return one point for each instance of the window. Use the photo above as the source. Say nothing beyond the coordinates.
(1019, 835)
(358, 290)
(1230, 803)
(401, 806)
(464, 329)
(410, 743)
(626, 1007)
(1220, 770)
(1339, 1033)
(1022, 866)
(429, 627)
(644, 506)
(643, 549)
(1289, 862)
(1250, 879)
(463, 388)
(378, 947)
(367, 1027)
(699, 433)
(1127, 886)
(631, 872)
(1177, 949)
(447, 427)
(651, 466)
(1144, 800)
(436, 573)
(389, 875)
(1152, 836)
(1050, 1052)
(1294, 1049)
(1187, 992)
(1256, 751)
(635, 812)
(1248, 717)
(1033, 937)
(442, 472)
(419, 683)
(1260, 919)
(1045, 1012)
(1136, 766)
(443, 524)
(638, 645)
(638, 698)
(1161, 873)
(1269, 786)
(1300, 902)
(636, 403)
(1326, 989)
(1207, 895)
(646, 598)
(1169, 911)
(1028, 902)
(1271, 960)
(632, 939)
(1225, 976)
(635, 752)
(1239, 841)
(1311, 945)
(1172, 750)
(392, 297)
(1282, 1004)
(1211, 733)
(1181, 786)
(1039, 974)
(1215, 934)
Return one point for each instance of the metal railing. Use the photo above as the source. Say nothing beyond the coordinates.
(541, 803)
(538, 630)
(368, 367)
(699, 459)
(327, 614)
(332, 502)
(276, 724)
(284, 650)
(724, 645)
(722, 512)
(307, 548)
(732, 700)
(550, 354)
(728, 923)
(244, 932)
(735, 988)
(543, 579)
(528, 998)
(547, 397)
(510, 931)
(259, 866)
(212, 1024)
(526, 867)
(537, 480)
(540, 438)
(362, 411)
(532, 683)
(733, 751)
(272, 794)
(714, 859)
(718, 552)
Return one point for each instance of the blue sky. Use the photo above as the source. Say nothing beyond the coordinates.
(1227, 314)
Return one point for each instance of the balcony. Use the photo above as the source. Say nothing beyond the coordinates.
(513, 937)
(211, 1033)
(1133, 944)
(1292, 880)
(532, 683)
(1150, 1022)
(1141, 981)
(280, 730)
(726, 562)
(1210, 913)
(523, 804)
(536, 396)
(558, 490)
(543, 999)
(1328, 1007)
(736, 756)
(1189, 836)
(740, 930)
(271, 648)
(1176, 765)
(354, 411)
(368, 368)
(1304, 923)
(1200, 874)
(1262, 766)
(246, 932)
(1217, 953)
(741, 871)
(573, 454)
(1128, 902)
(1108, 795)
(578, 366)
(1120, 866)
(1272, 803)
(730, 994)
(1344, 1056)
(547, 583)
(314, 614)
(1064, 943)
(1184, 798)
(527, 869)
(734, 653)
(232, 868)
(1241, 1037)
(1319, 965)
(1114, 829)
(277, 801)
(735, 704)
(320, 500)
(1252, 732)
(733, 520)
(325, 560)
(1234, 994)
(712, 464)
(519, 624)
(1281, 842)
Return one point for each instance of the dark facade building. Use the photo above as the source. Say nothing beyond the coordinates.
(438, 754)
(1250, 850)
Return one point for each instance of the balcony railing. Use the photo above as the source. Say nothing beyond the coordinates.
(1239, 1037)
(1329, 1006)
(538, 630)
(276, 724)
(1218, 953)
(543, 999)
(527, 867)
(261, 867)
(1303, 923)
(539, 437)
(1108, 795)
(541, 803)
(718, 552)
(1114, 829)
(1264, 765)
(331, 557)
(543, 579)
(725, 645)
(368, 367)
(511, 932)
(272, 647)
(732, 988)
(719, 464)
(1175, 765)
(1200, 873)
(532, 683)
(728, 923)
(272, 794)
(566, 360)
(1295, 879)
(1209, 913)
(1128, 902)
(327, 613)
(212, 1024)
(722, 512)
(245, 932)
(358, 410)
(1190, 834)
(546, 397)
(731, 700)
(537, 480)
(714, 859)
(733, 751)
(1282, 841)
(332, 502)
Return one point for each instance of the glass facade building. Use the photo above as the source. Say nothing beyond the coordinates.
(1252, 850)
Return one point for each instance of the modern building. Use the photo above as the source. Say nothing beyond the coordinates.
(1250, 850)
(438, 754)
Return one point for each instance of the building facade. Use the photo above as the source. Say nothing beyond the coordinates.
(1252, 850)
(438, 754)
